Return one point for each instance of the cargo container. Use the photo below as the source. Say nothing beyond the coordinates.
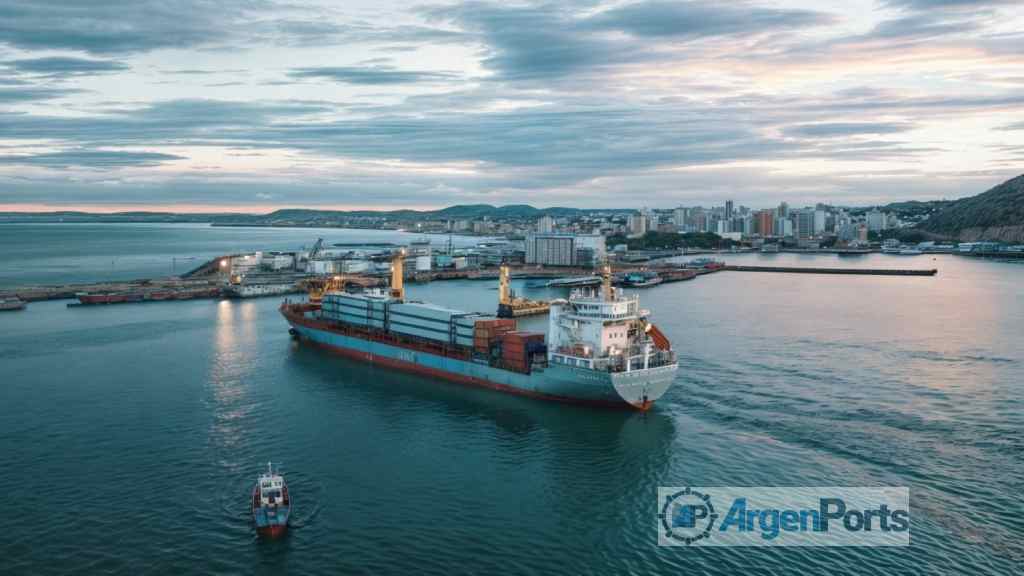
(425, 311)
(434, 335)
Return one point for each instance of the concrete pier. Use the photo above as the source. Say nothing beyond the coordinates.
(861, 271)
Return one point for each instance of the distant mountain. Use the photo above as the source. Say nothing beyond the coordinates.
(459, 212)
(994, 215)
(312, 217)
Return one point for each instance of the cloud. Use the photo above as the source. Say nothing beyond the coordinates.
(196, 121)
(1013, 126)
(31, 94)
(921, 26)
(199, 72)
(60, 66)
(525, 42)
(371, 75)
(528, 42)
(948, 4)
(114, 27)
(698, 19)
(90, 159)
(839, 129)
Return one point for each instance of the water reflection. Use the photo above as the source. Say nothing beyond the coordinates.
(234, 345)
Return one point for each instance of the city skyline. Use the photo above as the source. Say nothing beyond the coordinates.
(250, 107)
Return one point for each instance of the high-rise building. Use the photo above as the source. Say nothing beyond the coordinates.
(728, 209)
(679, 216)
(546, 224)
(819, 221)
(784, 227)
(764, 221)
(804, 220)
(637, 224)
(876, 220)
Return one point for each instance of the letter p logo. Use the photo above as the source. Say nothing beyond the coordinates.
(686, 516)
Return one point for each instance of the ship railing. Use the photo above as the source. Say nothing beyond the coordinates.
(618, 362)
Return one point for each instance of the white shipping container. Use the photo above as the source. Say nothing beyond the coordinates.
(420, 332)
(425, 311)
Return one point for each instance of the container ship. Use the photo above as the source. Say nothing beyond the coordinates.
(600, 349)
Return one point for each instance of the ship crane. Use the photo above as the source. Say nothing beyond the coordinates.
(317, 287)
(512, 306)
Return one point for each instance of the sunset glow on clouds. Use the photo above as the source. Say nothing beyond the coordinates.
(257, 105)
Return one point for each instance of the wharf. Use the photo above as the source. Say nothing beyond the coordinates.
(67, 291)
(853, 271)
(995, 255)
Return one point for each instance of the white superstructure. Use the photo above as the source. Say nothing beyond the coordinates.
(605, 330)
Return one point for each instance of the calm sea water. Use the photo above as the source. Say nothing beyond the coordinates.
(69, 253)
(131, 434)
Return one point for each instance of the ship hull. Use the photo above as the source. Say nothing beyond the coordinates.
(637, 389)
(270, 521)
(272, 531)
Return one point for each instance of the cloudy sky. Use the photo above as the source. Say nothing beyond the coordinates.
(251, 105)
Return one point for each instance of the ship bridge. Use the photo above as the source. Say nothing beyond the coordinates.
(590, 304)
(603, 330)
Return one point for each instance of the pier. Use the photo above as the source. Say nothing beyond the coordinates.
(860, 271)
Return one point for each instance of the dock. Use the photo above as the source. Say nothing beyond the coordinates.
(857, 271)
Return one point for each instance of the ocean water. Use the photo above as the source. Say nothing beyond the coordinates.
(130, 435)
(74, 253)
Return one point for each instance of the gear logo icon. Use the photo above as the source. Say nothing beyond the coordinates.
(687, 516)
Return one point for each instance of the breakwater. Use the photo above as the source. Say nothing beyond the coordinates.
(861, 271)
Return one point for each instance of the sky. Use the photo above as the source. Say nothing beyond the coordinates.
(253, 105)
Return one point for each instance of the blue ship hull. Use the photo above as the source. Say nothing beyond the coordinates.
(635, 389)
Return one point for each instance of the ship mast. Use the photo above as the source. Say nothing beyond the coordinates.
(606, 282)
(504, 292)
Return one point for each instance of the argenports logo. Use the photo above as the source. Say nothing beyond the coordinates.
(797, 516)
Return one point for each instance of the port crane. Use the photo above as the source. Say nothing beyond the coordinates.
(317, 248)
(512, 306)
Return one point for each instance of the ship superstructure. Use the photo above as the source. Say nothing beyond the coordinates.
(600, 347)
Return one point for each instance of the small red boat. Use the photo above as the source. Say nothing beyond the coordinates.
(271, 504)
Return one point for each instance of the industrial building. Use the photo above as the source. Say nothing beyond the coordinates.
(564, 249)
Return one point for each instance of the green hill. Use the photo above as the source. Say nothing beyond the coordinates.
(994, 215)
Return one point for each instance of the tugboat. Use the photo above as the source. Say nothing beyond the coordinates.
(644, 279)
(271, 504)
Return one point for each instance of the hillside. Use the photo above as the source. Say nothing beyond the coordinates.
(996, 215)
(309, 216)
